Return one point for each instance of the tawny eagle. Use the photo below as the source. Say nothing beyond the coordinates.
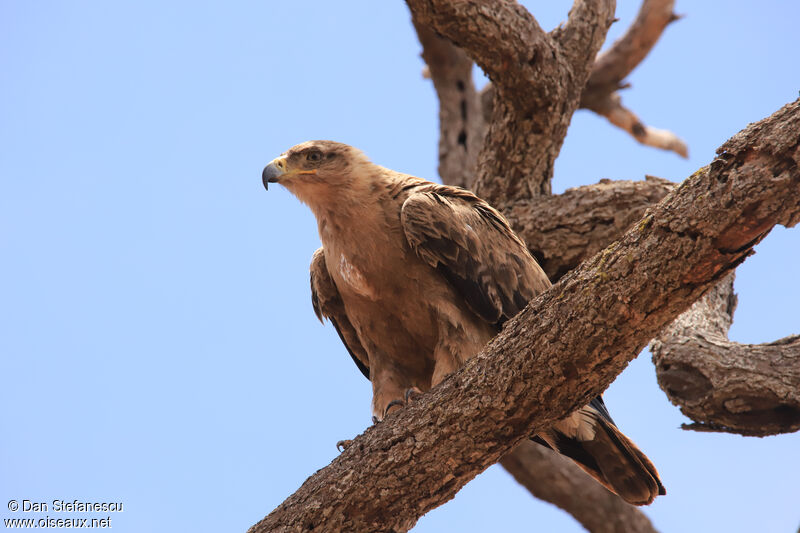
(417, 277)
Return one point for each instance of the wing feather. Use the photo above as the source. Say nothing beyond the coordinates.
(328, 303)
(473, 246)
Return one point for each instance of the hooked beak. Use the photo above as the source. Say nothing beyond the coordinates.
(273, 172)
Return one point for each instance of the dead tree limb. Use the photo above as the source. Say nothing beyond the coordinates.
(723, 385)
(615, 64)
(565, 347)
(555, 479)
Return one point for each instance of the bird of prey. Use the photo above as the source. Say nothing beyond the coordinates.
(417, 277)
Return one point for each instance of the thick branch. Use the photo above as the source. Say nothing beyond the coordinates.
(565, 347)
(460, 117)
(497, 36)
(726, 386)
(538, 81)
(563, 230)
(555, 479)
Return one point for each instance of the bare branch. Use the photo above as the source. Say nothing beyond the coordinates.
(625, 119)
(726, 386)
(565, 229)
(565, 347)
(555, 479)
(617, 62)
(610, 106)
(611, 68)
(461, 126)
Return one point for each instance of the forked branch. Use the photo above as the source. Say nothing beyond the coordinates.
(555, 479)
(538, 80)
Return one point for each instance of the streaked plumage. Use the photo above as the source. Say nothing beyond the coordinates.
(417, 277)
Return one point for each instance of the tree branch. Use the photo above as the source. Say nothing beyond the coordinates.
(616, 63)
(565, 347)
(563, 230)
(461, 128)
(610, 106)
(726, 386)
(497, 36)
(612, 66)
(553, 478)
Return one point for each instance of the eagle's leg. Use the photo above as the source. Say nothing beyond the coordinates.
(342, 445)
(411, 394)
(458, 341)
(460, 338)
(388, 391)
(445, 363)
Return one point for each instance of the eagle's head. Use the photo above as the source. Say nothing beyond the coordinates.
(314, 166)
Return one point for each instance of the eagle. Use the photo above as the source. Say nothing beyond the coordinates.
(417, 277)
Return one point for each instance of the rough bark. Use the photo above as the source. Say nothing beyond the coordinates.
(612, 66)
(555, 479)
(460, 117)
(563, 230)
(565, 347)
(538, 80)
(723, 385)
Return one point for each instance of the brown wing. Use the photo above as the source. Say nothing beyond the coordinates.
(328, 303)
(473, 246)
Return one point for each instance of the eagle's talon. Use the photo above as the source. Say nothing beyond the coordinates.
(342, 445)
(412, 395)
(393, 403)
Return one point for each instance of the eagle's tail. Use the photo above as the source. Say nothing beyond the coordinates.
(606, 454)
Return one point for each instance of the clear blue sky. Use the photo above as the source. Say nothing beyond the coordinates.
(157, 343)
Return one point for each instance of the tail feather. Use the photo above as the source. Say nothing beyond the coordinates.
(624, 467)
(606, 454)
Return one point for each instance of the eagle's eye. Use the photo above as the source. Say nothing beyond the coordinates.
(314, 156)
